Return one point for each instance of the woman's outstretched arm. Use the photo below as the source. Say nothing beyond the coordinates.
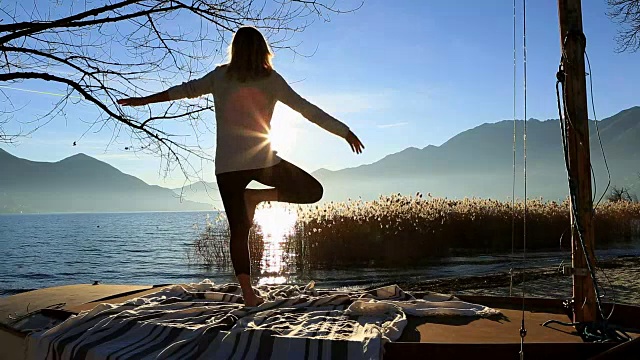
(356, 145)
(189, 89)
(316, 115)
(139, 101)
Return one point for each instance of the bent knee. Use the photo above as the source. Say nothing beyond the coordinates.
(315, 193)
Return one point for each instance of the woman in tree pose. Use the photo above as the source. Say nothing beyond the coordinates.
(245, 92)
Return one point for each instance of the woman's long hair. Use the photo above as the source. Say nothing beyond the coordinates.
(250, 55)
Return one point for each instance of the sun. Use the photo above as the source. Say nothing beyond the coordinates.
(282, 139)
(283, 133)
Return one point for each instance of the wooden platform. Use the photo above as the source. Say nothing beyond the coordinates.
(66, 297)
(499, 337)
(505, 329)
(439, 337)
(72, 298)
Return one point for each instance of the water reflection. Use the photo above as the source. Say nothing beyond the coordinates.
(275, 223)
(272, 280)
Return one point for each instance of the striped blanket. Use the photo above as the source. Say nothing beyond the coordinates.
(208, 321)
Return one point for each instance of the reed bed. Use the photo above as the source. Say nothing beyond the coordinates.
(399, 230)
(211, 247)
(404, 230)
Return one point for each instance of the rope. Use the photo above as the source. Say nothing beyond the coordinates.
(595, 332)
(523, 329)
(595, 119)
(572, 181)
(591, 331)
(606, 164)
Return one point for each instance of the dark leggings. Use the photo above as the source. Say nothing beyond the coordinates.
(294, 185)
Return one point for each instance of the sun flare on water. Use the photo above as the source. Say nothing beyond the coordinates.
(275, 223)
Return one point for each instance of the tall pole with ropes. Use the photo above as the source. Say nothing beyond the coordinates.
(576, 127)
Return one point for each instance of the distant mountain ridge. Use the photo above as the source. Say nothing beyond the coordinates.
(201, 191)
(479, 162)
(79, 183)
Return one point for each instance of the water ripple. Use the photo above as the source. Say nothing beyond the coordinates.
(149, 248)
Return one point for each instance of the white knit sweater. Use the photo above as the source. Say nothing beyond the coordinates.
(243, 116)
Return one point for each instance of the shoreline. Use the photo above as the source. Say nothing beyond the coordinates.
(619, 280)
(621, 273)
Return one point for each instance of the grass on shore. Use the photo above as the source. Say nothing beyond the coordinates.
(409, 230)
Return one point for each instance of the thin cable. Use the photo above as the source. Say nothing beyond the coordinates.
(595, 118)
(606, 164)
(523, 331)
(513, 185)
(513, 192)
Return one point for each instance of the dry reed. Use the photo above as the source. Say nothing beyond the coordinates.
(401, 230)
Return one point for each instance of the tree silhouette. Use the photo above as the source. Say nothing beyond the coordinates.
(100, 51)
(621, 194)
(627, 14)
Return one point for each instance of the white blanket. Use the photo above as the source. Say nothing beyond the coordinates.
(208, 321)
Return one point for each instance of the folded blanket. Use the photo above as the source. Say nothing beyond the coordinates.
(208, 321)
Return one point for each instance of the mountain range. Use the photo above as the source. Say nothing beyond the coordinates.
(477, 162)
(79, 183)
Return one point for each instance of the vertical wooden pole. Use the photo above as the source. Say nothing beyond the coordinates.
(573, 42)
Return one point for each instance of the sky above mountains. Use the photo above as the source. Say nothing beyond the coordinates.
(400, 74)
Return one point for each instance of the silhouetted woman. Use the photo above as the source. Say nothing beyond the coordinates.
(245, 92)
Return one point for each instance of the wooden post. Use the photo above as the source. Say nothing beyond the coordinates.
(576, 114)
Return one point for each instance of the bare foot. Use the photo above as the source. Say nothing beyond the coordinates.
(252, 299)
(248, 293)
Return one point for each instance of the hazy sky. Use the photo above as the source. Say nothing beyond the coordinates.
(400, 73)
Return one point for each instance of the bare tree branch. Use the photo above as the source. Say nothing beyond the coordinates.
(627, 14)
(621, 194)
(29, 27)
(100, 51)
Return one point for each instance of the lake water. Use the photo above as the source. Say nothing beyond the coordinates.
(150, 248)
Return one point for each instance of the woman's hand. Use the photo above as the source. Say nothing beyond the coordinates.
(354, 142)
(134, 101)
